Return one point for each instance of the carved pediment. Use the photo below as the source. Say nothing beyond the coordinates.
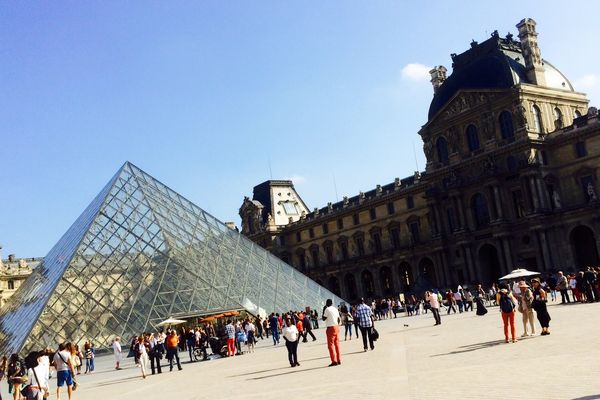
(464, 102)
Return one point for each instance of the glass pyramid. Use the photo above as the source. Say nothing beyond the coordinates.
(141, 253)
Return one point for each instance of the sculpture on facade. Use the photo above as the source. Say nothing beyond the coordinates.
(591, 193)
(556, 200)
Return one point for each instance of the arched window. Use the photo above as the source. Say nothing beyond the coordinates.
(577, 114)
(442, 150)
(480, 210)
(558, 118)
(506, 125)
(472, 138)
(537, 119)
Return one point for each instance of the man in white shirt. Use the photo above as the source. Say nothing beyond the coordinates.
(117, 351)
(332, 319)
(434, 302)
(64, 370)
(292, 337)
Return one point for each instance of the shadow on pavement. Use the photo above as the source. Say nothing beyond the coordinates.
(471, 347)
(286, 373)
(592, 397)
(112, 382)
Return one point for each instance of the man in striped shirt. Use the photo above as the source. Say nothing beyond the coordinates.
(364, 316)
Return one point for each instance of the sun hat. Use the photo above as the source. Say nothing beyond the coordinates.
(523, 284)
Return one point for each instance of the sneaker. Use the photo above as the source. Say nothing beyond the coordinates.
(332, 364)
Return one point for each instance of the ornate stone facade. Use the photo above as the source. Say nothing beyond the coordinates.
(13, 273)
(511, 181)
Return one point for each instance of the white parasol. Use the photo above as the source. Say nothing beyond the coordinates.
(171, 321)
(518, 273)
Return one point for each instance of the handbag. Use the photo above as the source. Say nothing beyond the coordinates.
(374, 334)
(30, 393)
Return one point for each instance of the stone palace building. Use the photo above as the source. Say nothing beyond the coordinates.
(511, 181)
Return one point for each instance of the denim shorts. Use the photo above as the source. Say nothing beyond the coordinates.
(64, 377)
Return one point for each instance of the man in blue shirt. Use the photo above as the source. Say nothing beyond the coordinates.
(274, 325)
(364, 317)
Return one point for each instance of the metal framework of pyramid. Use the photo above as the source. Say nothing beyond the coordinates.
(138, 254)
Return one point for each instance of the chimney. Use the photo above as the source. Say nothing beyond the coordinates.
(438, 76)
(531, 51)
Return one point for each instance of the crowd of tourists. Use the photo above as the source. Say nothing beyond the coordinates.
(29, 378)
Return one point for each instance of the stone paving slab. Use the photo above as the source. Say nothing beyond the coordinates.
(464, 358)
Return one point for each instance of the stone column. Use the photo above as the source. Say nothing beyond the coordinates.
(438, 268)
(377, 281)
(438, 219)
(460, 212)
(502, 260)
(545, 250)
(534, 196)
(434, 228)
(475, 275)
(507, 254)
(498, 201)
(469, 267)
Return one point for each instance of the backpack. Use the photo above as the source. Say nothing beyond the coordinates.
(506, 304)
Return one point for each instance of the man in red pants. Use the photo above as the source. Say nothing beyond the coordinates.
(230, 339)
(332, 319)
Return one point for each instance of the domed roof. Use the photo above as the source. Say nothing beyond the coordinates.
(497, 63)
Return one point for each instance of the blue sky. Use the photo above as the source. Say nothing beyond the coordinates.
(202, 95)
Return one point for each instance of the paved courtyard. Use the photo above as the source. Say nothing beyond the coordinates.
(463, 358)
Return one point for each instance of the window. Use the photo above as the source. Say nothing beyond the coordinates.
(290, 208)
(315, 256)
(311, 233)
(340, 223)
(391, 209)
(325, 228)
(517, 198)
(410, 203)
(344, 249)
(298, 237)
(302, 260)
(373, 214)
(506, 125)
(395, 235)
(355, 219)
(558, 118)
(442, 150)
(360, 245)
(376, 242)
(480, 210)
(580, 150)
(472, 138)
(537, 119)
(414, 232)
(11, 285)
(329, 254)
(451, 221)
(577, 114)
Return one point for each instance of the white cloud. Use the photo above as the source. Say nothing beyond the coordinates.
(297, 179)
(587, 81)
(416, 72)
